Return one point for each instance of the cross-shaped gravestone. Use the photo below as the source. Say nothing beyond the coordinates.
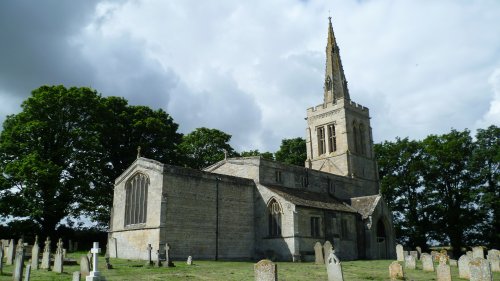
(168, 262)
(149, 248)
(94, 274)
(46, 255)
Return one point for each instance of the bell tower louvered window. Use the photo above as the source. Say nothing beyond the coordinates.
(136, 199)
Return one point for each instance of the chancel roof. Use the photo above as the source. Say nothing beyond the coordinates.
(365, 204)
(307, 198)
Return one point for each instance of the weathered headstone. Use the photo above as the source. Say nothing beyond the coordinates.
(89, 256)
(168, 261)
(11, 252)
(493, 254)
(46, 255)
(157, 261)
(477, 252)
(334, 268)
(327, 249)
(453, 262)
(427, 263)
(410, 262)
(480, 270)
(58, 257)
(396, 271)
(419, 250)
(414, 254)
(443, 271)
(495, 265)
(150, 261)
(94, 275)
(435, 256)
(443, 257)
(399, 252)
(463, 267)
(469, 254)
(35, 254)
(318, 253)
(76, 276)
(84, 265)
(19, 263)
(189, 260)
(265, 270)
(27, 275)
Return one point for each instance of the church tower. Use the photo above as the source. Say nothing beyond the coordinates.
(338, 134)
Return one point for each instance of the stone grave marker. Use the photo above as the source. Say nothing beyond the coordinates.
(89, 256)
(334, 268)
(443, 271)
(189, 260)
(434, 255)
(396, 271)
(27, 275)
(76, 276)
(64, 251)
(148, 249)
(17, 275)
(318, 253)
(453, 262)
(469, 254)
(463, 267)
(168, 261)
(11, 252)
(419, 250)
(157, 261)
(35, 254)
(399, 252)
(94, 275)
(58, 257)
(265, 270)
(327, 249)
(410, 262)
(493, 254)
(443, 258)
(477, 252)
(84, 266)
(46, 255)
(495, 265)
(480, 270)
(414, 254)
(427, 263)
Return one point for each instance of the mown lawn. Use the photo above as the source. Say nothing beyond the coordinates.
(126, 270)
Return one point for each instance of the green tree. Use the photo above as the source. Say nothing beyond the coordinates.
(265, 155)
(292, 151)
(451, 186)
(204, 147)
(487, 162)
(400, 169)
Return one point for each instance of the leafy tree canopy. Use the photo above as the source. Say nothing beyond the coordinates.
(265, 155)
(292, 151)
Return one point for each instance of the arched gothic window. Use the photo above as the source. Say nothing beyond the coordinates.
(355, 136)
(362, 143)
(274, 211)
(136, 190)
(332, 138)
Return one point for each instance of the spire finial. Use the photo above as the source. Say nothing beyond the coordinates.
(139, 151)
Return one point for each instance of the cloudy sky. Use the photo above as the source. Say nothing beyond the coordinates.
(251, 68)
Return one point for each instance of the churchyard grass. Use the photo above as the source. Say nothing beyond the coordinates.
(126, 270)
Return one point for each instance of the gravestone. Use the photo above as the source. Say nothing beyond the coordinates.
(414, 254)
(265, 270)
(318, 254)
(469, 254)
(76, 276)
(453, 262)
(17, 275)
(427, 263)
(419, 250)
(58, 257)
(477, 252)
(327, 249)
(148, 249)
(334, 268)
(443, 258)
(410, 262)
(11, 252)
(168, 261)
(443, 271)
(108, 264)
(84, 266)
(480, 270)
(399, 252)
(493, 254)
(495, 265)
(157, 261)
(46, 255)
(89, 256)
(189, 260)
(64, 251)
(463, 267)
(94, 275)
(35, 254)
(435, 256)
(396, 271)
(27, 275)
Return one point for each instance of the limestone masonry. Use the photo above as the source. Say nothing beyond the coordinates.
(253, 208)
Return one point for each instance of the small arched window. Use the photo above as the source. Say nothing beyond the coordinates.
(136, 190)
(274, 210)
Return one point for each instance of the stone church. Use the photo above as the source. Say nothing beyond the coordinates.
(249, 208)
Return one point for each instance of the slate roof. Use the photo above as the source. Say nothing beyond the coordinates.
(311, 199)
(365, 204)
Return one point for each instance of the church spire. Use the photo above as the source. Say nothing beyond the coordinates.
(335, 83)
